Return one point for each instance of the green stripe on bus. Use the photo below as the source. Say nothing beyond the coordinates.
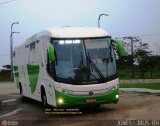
(33, 73)
(72, 100)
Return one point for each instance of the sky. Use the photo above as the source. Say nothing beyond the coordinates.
(126, 18)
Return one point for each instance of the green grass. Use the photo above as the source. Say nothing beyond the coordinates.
(125, 73)
(5, 80)
(155, 86)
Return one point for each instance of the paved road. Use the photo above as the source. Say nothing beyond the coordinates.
(132, 106)
(7, 88)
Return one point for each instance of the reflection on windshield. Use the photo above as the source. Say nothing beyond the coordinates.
(84, 60)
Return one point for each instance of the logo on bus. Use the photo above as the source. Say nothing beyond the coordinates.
(91, 93)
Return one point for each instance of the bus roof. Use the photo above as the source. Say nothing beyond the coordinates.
(68, 32)
(75, 32)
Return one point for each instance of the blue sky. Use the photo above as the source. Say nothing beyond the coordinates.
(126, 17)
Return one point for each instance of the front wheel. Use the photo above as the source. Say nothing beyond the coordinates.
(44, 99)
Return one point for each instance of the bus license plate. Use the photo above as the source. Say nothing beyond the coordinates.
(91, 100)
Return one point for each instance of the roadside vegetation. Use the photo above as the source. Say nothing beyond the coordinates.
(124, 72)
(139, 63)
(5, 74)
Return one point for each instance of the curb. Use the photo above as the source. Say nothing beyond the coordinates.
(141, 90)
(139, 81)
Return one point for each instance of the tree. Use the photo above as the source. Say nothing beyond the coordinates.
(142, 55)
(5, 72)
(7, 67)
(130, 49)
(138, 59)
(154, 61)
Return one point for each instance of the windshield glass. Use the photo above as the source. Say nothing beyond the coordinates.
(84, 60)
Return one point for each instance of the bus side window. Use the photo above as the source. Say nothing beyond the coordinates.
(32, 53)
(32, 46)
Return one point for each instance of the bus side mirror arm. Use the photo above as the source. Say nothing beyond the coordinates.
(51, 53)
(120, 47)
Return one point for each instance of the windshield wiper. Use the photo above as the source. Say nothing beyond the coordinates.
(110, 52)
(90, 62)
(106, 60)
(81, 63)
(81, 68)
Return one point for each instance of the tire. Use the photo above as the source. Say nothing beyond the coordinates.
(44, 98)
(21, 93)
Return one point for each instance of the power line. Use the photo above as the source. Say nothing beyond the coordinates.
(147, 35)
(4, 54)
(7, 2)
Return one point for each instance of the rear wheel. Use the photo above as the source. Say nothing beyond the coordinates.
(21, 93)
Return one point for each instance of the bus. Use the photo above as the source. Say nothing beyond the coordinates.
(68, 66)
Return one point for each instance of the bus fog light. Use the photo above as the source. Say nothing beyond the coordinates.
(60, 101)
(117, 96)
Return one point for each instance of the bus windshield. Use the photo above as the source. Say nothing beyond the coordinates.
(84, 61)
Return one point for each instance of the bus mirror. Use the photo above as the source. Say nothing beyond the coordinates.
(51, 52)
(120, 47)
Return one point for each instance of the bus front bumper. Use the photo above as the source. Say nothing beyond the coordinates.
(65, 100)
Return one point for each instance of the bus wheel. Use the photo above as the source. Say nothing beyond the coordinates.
(21, 93)
(44, 98)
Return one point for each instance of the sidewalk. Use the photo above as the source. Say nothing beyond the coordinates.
(7, 88)
(141, 90)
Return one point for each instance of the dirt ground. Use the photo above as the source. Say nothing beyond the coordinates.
(131, 106)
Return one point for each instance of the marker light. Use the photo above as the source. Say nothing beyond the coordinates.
(59, 89)
(60, 101)
(117, 96)
(68, 41)
(61, 42)
(76, 41)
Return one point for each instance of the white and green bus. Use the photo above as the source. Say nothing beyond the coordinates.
(68, 66)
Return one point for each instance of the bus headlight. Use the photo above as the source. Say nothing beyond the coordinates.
(60, 101)
(117, 96)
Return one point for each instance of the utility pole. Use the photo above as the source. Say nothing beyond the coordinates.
(11, 48)
(132, 40)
